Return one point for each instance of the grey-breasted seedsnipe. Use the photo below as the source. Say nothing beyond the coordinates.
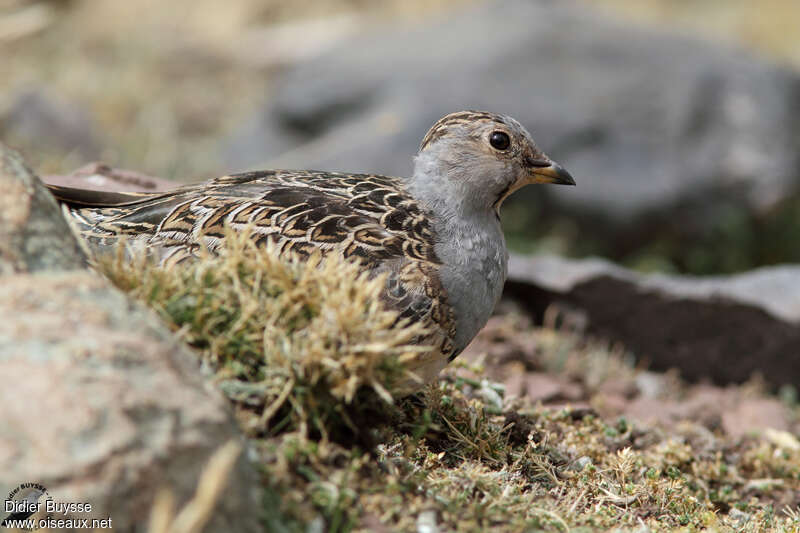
(437, 233)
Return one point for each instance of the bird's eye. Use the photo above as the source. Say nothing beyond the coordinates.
(499, 140)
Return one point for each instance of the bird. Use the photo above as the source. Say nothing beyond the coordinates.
(436, 233)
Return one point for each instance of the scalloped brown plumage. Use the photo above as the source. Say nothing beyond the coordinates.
(365, 217)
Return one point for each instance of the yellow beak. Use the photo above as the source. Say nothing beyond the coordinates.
(550, 172)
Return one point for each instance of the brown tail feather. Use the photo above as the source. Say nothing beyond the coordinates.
(88, 198)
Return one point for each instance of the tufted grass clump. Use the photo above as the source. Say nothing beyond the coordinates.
(294, 343)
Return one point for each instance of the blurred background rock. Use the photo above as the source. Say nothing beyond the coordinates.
(677, 117)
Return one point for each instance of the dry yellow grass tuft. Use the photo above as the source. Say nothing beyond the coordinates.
(287, 338)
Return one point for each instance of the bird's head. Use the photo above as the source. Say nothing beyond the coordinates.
(483, 157)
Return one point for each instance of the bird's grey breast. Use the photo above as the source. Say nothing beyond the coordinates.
(474, 269)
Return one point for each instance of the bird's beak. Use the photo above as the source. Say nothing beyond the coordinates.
(538, 171)
(550, 172)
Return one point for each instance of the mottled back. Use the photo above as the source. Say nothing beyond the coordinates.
(362, 217)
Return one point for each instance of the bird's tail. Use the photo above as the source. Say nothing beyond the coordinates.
(80, 198)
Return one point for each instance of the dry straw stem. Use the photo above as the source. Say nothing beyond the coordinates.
(195, 514)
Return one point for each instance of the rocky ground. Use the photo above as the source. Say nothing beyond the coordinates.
(535, 426)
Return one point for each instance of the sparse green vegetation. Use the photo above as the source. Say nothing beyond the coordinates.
(286, 342)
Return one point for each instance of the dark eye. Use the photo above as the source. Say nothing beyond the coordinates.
(499, 140)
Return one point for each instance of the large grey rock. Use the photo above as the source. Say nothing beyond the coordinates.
(100, 403)
(34, 235)
(642, 119)
(722, 327)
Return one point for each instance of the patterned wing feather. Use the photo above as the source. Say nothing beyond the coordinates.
(364, 217)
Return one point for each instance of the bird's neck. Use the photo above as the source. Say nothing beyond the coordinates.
(443, 185)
